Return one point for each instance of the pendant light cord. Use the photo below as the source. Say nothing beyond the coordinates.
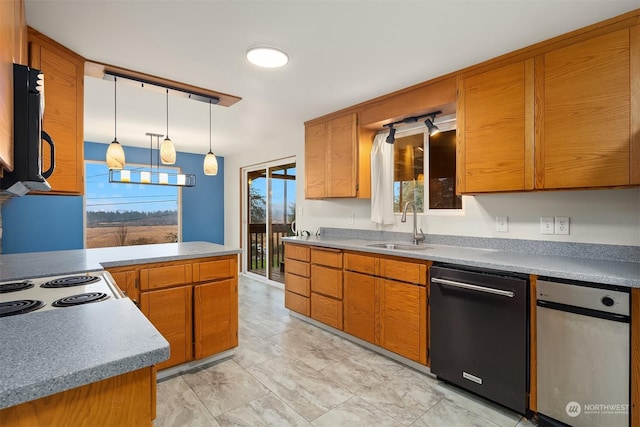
(115, 108)
(167, 114)
(210, 126)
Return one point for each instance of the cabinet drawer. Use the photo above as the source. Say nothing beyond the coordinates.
(164, 277)
(297, 303)
(297, 284)
(297, 267)
(299, 252)
(361, 263)
(327, 281)
(404, 271)
(328, 257)
(212, 270)
(326, 310)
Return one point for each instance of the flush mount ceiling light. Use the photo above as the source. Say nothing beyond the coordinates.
(115, 153)
(267, 57)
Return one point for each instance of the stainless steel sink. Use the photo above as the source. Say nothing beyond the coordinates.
(399, 246)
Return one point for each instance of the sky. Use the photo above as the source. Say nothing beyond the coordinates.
(100, 195)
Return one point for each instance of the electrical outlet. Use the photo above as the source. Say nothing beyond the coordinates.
(351, 218)
(502, 224)
(546, 225)
(300, 210)
(562, 225)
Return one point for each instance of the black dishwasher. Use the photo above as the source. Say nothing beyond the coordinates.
(479, 332)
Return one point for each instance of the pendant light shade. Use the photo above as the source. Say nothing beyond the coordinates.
(167, 149)
(210, 165)
(115, 153)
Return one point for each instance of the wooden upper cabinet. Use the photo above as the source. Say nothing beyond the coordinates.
(495, 130)
(13, 48)
(588, 124)
(64, 111)
(337, 162)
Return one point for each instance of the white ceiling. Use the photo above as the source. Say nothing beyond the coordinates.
(341, 53)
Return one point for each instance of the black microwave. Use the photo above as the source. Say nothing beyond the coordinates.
(28, 108)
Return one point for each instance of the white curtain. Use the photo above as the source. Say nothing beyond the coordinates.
(382, 180)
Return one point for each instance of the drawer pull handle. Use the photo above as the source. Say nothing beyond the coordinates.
(471, 287)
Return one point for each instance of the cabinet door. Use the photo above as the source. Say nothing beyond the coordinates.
(127, 281)
(63, 114)
(13, 43)
(215, 307)
(327, 281)
(403, 319)
(495, 130)
(170, 312)
(584, 129)
(360, 306)
(342, 157)
(315, 160)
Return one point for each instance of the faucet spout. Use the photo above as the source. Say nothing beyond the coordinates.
(417, 237)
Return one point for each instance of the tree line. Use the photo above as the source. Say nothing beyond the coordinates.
(131, 218)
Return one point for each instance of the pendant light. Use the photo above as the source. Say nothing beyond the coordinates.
(167, 150)
(210, 162)
(115, 153)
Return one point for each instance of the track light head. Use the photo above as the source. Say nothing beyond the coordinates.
(392, 135)
(433, 129)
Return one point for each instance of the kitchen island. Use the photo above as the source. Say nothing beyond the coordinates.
(54, 352)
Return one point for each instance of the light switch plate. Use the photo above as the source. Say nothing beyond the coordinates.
(561, 225)
(502, 224)
(546, 225)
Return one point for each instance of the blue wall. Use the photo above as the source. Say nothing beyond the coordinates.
(49, 223)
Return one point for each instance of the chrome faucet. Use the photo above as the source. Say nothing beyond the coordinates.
(416, 237)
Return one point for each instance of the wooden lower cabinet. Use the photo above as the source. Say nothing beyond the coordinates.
(215, 309)
(193, 303)
(360, 306)
(326, 310)
(170, 312)
(297, 283)
(403, 319)
(124, 400)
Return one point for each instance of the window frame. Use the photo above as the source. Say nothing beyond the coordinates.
(445, 123)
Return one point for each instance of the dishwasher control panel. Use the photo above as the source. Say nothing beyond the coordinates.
(609, 299)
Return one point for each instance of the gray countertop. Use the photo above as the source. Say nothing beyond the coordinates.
(563, 267)
(40, 264)
(44, 353)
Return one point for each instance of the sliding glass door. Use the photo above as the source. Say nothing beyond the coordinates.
(269, 209)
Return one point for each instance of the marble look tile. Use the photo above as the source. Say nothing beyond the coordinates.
(525, 423)
(224, 386)
(313, 349)
(178, 405)
(484, 408)
(266, 411)
(405, 394)
(357, 373)
(356, 412)
(447, 413)
(253, 351)
(306, 390)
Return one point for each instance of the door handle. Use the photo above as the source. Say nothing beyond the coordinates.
(471, 287)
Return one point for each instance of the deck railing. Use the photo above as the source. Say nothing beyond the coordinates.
(258, 247)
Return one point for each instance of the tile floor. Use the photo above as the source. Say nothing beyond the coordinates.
(286, 372)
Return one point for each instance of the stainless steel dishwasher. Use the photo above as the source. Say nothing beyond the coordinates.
(480, 332)
(583, 341)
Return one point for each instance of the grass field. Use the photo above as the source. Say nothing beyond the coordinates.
(100, 237)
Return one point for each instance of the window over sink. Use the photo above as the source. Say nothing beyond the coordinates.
(425, 168)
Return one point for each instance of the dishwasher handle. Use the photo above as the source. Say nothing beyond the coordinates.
(469, 286)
